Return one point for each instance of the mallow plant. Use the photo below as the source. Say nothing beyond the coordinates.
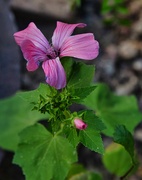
(39, 125)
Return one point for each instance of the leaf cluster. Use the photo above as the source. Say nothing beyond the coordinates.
(115, 12)
(49, 150)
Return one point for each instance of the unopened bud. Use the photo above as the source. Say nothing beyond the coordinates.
(79, 124)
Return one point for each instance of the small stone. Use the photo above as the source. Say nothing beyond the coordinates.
(55, 8)
(137, 65)
(135, 6)
(127, 82)
(137, 27)
(128, 49)
(138, 135)
(111, 51)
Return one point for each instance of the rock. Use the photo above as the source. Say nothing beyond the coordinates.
(9, 53)
(137, 28)
(137, 65)
(135, 6)
(111, 51)
(105, 67)
(126, 82)
(128, 49)
(55, 8)
(138, 135)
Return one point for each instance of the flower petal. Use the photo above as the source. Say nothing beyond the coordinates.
(63, 31)
(32, 54)
(54, 72)
(33, 34)
(82, 46)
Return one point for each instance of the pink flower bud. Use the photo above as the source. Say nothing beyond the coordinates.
(79, 124)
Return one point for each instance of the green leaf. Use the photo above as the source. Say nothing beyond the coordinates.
(117, 160)
(125, 138)
(67, 63)
(90, 137)
(82, 93)
(93, 121)
(106, 7)
(113, 110)
(119, 1)
(95, 176)
(33, 96)
(122, 10)
(76, 74)
(72, 136)
(124, 22)
(92, 140)
(78, 3)
(86, 176)
(15, 115)
(75, 169)
(78, 172)
(81, 75)
(44, 156)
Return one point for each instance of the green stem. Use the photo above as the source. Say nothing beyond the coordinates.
(126, 174)
(60, 131)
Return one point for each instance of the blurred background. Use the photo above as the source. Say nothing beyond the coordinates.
(117, 25)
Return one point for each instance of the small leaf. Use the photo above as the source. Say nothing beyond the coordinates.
(124, 22)
(119, 2)
(78, 172)
(33, 96)
(81, 75)
(122, 10)
(43, 156)
(72, 136)
(78, 3)
(67, 63)
(86, 176)
(117, 160)
(92, 139)
(93, 121)
(75, 169)
(125, 138)
(82, 93)
(95, 176)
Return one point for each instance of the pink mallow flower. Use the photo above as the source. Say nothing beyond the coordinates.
(36, 49)
(79, 124)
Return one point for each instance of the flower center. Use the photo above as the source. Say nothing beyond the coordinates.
(52, 53)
